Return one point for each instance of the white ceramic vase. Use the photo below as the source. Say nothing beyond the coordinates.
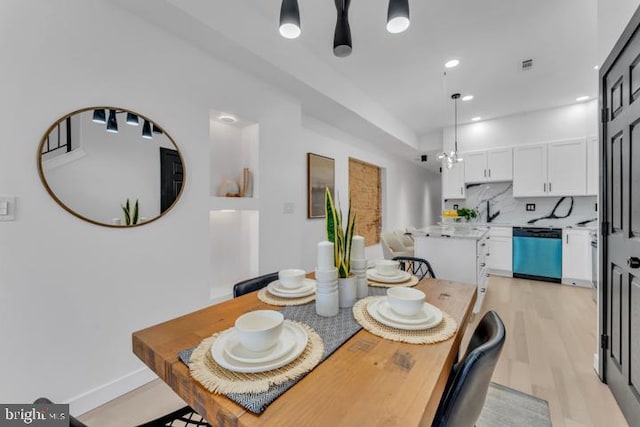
(347, 291)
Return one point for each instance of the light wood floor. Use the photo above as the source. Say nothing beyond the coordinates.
(551, 339)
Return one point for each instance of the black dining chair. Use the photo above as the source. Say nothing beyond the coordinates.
(73, 421)
(466, 390)
(254, 284)
(417, 266)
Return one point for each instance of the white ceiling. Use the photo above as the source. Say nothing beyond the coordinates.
(394, 83)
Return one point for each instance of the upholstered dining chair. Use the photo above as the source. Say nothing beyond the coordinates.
(254, 284)
(466, 390)
(417, 266)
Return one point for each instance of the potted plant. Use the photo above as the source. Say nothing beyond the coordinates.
(130, 217)
(341, 236)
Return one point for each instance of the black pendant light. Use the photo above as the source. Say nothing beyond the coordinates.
(132, 119)
(342, 37)
(99, 116)
(398, 16)
(112, 123)
(290, 19)
(146, 130)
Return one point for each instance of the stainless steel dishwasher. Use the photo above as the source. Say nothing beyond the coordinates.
(537, 253)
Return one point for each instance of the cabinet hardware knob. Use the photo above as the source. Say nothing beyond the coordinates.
(633, 262)
(482, 264)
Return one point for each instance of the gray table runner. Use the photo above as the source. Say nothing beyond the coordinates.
(334, 332)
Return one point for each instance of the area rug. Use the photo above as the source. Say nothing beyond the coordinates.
(506, 407)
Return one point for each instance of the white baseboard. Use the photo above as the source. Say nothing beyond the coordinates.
(596, 363)
(91, 399)
(503, 273)
(577, 282)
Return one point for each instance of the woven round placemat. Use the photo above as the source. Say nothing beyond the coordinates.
(445, 330)
(411, 282)
(219, 380)
(265, 296)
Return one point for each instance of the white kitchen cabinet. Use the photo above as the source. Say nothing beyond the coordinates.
(592, 166)
(567, 168)
(500, 251)
(530, 170)
(460, 259)
(488, 166)
(554, 169)
(576, 257)
(453, 182)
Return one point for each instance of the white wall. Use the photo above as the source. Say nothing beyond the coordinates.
(72, 292)
(411, 194)
(573, 121)
(613, 17)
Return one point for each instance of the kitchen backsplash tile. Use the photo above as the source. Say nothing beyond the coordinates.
(505, 209)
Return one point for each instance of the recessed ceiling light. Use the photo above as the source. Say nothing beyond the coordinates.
(452, 63)
(582, 98)
(596, 67)
(476, 119)
(467, 97)
(227, 118)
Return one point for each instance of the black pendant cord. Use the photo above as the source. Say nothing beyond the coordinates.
(455, 97)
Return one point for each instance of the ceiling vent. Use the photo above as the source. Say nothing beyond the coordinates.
(527, 64)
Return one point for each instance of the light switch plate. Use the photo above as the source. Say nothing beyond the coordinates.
(10, 214)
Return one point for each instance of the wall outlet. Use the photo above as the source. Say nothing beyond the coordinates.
(7, 208)
(531, 207)
(455, 207)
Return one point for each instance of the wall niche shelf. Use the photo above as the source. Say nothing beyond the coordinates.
(234, 148)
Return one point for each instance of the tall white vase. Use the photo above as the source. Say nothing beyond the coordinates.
(347, 291)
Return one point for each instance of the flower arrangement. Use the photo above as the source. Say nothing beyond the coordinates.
(340, 237)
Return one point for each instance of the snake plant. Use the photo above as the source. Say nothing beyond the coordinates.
(130, 218)
(341, 238)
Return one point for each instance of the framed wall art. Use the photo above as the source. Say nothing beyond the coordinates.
(320, 175)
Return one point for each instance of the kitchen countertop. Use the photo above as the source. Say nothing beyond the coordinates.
(592, 226)
(457, 231)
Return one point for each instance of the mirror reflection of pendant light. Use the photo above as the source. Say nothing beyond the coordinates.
(398, 16)
(146, 130)
(452, 157)
(132, 119)
(342, 37)
(290, 19)
(99, 116)
(112, 123)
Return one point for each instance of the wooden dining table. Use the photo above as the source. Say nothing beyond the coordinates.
(368, 381)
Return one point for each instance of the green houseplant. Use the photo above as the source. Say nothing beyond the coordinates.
(130, 217)
(339, 236)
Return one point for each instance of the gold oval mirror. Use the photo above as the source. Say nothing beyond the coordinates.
(111, 166)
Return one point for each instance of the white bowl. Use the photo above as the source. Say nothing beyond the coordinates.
(387, 267)
(405, 301)
(259, 330)
(291, 278)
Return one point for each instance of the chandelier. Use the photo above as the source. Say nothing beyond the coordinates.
(397, 22)
(452, 157)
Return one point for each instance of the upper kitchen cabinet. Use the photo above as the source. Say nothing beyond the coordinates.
(554, 169)
(592, 166)
(453, 182)
(488, 166)
(530, 171)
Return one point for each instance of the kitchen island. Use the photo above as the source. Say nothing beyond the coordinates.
(456, 252)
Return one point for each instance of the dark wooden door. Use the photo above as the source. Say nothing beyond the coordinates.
(620, 234)
(171, 176)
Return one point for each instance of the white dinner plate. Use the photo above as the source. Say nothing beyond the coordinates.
(428, 314)
(399, 277)
(304, 287)
(372, 309)
(223, 359)
(236, 351)
(297, 293)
